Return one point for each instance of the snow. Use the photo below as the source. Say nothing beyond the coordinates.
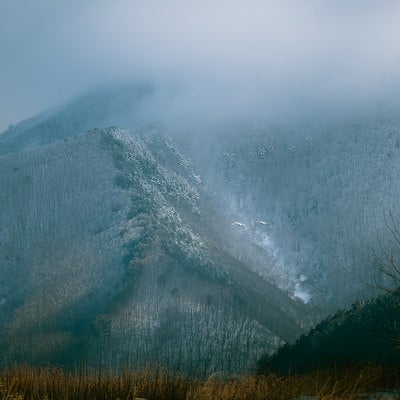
(262, 222)
(239, 224)
(301, 293)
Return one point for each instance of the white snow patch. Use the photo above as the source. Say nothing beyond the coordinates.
(265, 223)
(301, 293)
(239, 224)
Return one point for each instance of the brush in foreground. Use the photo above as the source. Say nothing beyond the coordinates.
(22, 382)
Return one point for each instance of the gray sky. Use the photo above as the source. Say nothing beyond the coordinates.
(249, 57)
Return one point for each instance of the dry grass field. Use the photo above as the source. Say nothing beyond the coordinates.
(40, 383)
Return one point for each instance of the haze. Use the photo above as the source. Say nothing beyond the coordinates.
(278, 60)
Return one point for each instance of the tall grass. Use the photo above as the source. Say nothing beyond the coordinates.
(40, 383)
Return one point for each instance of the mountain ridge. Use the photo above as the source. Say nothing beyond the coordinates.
(104, 239)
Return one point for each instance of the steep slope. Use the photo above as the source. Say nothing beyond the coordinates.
(104, 258)
(124, 106)
(368, 331)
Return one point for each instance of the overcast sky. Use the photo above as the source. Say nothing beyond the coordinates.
(278, 57)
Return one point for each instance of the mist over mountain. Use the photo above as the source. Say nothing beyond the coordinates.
(100, 108)
(121, 245)
(192, 184)
(276, 60)
(310, 201)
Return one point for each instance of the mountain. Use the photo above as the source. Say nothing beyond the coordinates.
(120, 245)
(368, 331)
(124, 106)
(110, 255)
(312, 200)
(328, 193)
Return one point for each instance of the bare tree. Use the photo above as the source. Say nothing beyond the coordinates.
(388, 260)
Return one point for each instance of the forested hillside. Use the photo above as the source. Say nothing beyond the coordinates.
(367, 332)
(117, 245)
(105, 259)
(312, 199)
(316, 197)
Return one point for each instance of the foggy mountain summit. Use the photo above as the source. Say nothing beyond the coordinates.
(126, 245)
(300, 179)
(100, 108)
(281, 61)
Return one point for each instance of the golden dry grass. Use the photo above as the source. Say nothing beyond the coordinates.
(24, 382)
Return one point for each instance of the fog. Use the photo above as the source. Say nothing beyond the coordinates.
(212, 60)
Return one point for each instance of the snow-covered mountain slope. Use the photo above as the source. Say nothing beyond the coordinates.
(318, 197)
(105, 257)
(299, 209)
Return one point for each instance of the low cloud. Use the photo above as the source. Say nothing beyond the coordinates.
(218, 59)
